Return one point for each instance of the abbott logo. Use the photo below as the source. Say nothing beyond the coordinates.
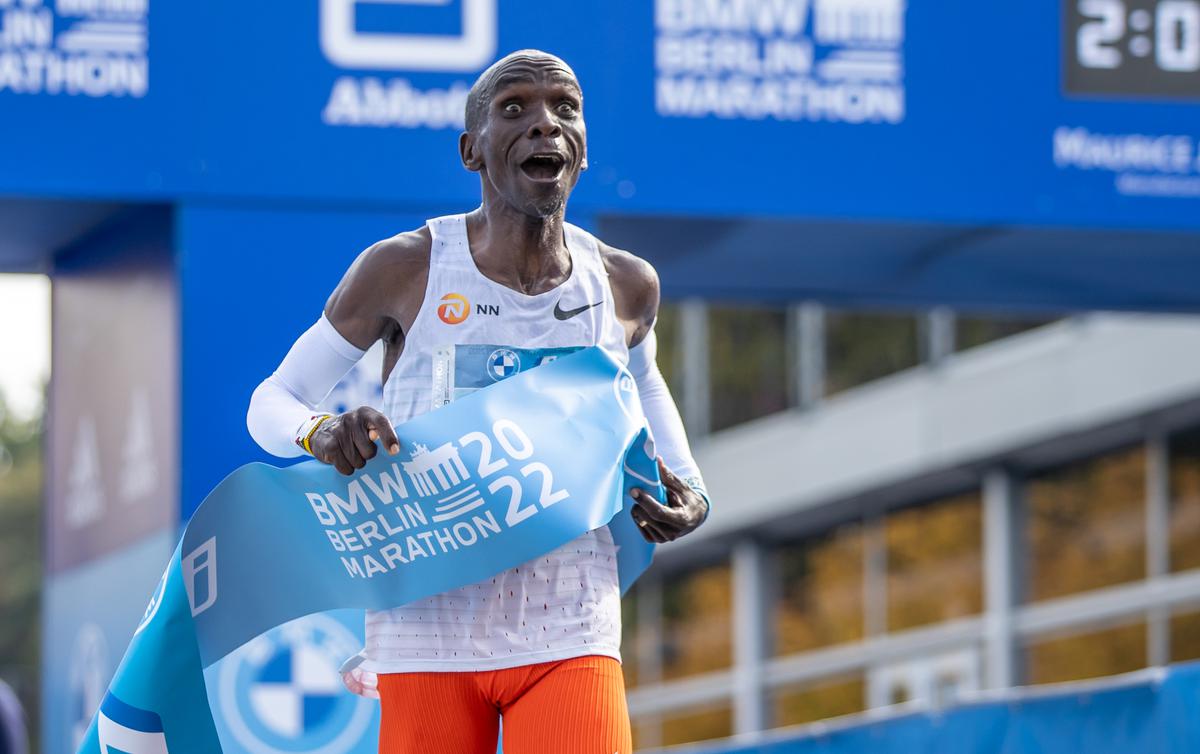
(344, 45)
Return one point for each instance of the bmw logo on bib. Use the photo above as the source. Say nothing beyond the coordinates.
(282, 693)
(502, 363)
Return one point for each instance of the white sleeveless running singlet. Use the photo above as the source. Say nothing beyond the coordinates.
(470, 332)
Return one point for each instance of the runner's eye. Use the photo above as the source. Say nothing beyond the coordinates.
(512, 108)
(566, 108)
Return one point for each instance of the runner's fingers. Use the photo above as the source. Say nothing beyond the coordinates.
(641, 524)
(650, 530)
(349, 451)
(656, 511)
(335, 458)
(674, 497)
(670, 481)
(665, 532)
(381, 429)
(364, 445)
(676, 488)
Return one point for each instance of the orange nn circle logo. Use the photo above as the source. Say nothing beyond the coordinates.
(454, 308)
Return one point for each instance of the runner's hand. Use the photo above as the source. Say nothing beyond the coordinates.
(683, 513)
(347, 441)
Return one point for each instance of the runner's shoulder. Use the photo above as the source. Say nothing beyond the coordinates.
(634, 282)
(402, 254)
(385, 281)
(400, 261)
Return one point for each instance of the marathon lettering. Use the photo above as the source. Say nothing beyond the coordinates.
(836, 61)
(436, 502)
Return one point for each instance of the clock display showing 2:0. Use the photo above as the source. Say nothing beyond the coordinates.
(1132, 47)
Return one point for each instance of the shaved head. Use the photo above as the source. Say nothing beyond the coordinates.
(480, 96)
(525, 133)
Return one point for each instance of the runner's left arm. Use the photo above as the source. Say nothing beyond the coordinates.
(670, 438)
(635, 288)
(687, 499)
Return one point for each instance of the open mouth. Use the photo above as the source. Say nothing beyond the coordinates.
(544, 166)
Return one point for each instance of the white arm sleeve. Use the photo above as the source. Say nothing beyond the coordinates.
(317, 361)
(670, 439)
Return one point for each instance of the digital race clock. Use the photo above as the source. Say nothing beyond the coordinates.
(1132, 47)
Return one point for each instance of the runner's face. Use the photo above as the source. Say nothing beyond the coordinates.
(534, 142)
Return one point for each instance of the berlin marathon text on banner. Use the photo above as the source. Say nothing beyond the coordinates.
(837, 61)
(88, 48)
(480, 486)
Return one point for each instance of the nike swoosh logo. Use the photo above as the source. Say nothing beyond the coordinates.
(560, 314)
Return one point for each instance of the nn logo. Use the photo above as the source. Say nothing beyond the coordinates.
(455, 308)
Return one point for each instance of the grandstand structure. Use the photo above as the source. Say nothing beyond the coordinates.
(1023, 511)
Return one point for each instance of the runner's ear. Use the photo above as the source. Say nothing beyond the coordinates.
(468, 153)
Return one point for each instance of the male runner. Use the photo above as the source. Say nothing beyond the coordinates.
(539, 644)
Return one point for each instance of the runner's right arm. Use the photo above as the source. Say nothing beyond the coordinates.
(283, 408)
(369, 304)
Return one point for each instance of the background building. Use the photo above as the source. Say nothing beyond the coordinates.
(880, 226)
(1012, 512)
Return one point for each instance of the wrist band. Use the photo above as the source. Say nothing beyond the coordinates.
(308, 429)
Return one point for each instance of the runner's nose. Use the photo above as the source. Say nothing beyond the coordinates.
(544, 125)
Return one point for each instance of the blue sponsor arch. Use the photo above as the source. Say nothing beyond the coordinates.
(872, 109)
(793, 120)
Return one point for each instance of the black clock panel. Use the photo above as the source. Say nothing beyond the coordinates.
(1132, 47)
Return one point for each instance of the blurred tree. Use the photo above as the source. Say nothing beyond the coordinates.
(821, 588)
(1085, 525)
(971, 331)
(747, 363)
(806, 703)
(862, 346)
(1184, 529)
(1108, 651)
(934, 561)
(698, 725)
(697, 621)
(669, 356)
(21, 558)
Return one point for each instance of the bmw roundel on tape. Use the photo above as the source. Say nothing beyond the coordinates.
(282, 692)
